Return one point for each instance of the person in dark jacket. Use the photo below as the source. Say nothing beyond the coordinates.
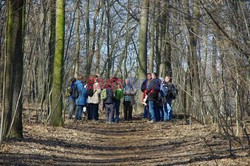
(152, 92)
(81, 101)
(144, 87)
(72, 98)
(168, 111)
(109, 105)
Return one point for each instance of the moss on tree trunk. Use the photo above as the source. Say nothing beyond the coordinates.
(56, 99)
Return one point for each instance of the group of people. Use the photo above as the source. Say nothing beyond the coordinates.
(91, 92)
(86, 96)
(158, 95)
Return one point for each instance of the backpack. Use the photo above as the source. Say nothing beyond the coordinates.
(164, 90)
(69, 91)
(172, 92)
(90, 90)
(160, 96)
(75, 92)
(104, 94)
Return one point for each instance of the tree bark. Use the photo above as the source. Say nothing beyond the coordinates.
(77, 50)
(57, 101)
(142, 70)
(14, 71)
(88, 53)
(152, 40)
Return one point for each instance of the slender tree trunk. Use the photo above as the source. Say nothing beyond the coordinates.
(57, 101)
(163, 42)
(51, 51)
(192, 26)
(152, 40)
(109, 61)
(99, 45)
(142, 70)
(158, 37)
(94, 35)
(14, 72)
(77, 51)
(88, 53)
(2, 46)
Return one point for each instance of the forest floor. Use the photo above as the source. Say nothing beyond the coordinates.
(127, 143)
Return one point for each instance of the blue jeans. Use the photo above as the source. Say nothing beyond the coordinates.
(152, 110)
(168, 112)
(79, 112)
(146, 113)
(109, 112)
(117, 110)
(71, 107)
(161, 113)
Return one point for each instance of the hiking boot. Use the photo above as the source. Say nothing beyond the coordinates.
(151, 121)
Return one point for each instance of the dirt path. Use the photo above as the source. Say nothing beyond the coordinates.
(136, 143)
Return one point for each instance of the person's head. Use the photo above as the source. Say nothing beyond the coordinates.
(149, 77)
(80, 77)
(154, 75)
(127, 81)
(73, 80)
(95, 77)
(168, 79)
(119, 86)
(114, 79)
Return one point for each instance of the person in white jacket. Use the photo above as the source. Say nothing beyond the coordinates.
(94, 100)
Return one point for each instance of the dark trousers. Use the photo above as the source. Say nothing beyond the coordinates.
(146, 111)
(109, 112)
(127, 110)
(160, 114)
(92, 110)
(117, 111)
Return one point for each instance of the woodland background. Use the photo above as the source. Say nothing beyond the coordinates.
(203, 45)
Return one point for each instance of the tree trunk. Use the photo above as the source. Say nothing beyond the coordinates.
(99, 45)
(142, 70)
(109, 54)
(88, 53)
(152, 40)
(14, 71)
(77, 50)
(94, 35)
(51, 51)
(57, 101)
(158, 37)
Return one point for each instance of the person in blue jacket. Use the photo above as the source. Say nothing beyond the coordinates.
(81, 101)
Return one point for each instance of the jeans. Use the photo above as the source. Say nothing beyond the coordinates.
(92, 110)
(127, 110)
(71, 107)
(152, 110)
(117, 110)
(79, 112)
(161, 113)
(146, 113)
(109, 112)
(168, 112)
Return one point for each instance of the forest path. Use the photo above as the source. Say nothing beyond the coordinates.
(126, 143)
